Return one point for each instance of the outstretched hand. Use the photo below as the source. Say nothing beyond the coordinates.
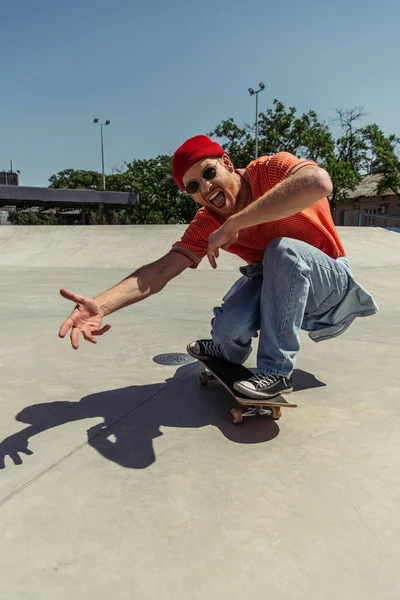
(13, 446)
(222, 238)
(85, 319)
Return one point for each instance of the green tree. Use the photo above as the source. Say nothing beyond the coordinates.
(347, 157)
(281, 129)
(237, 142)
(382, 158)
(350, 143)
(73, 179)
(343, 176)
(161, 201)
(32, 218)
(347, 163)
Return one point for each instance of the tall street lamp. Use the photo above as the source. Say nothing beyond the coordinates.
(96, 121)
(252, 92)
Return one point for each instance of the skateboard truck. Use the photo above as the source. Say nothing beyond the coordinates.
(206, 376)
(237, 415)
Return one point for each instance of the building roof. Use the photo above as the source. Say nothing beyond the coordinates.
(35, 196)
(367, 188)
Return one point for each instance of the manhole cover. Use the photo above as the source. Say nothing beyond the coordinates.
(173, 359)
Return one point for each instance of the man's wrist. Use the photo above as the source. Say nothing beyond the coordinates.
(101, 305)
(233, 223)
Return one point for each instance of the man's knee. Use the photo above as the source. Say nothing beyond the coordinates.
(231, 325)
(282, 245)
(223, 323)
(283, 249)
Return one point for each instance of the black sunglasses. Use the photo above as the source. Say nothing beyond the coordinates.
(192, 187)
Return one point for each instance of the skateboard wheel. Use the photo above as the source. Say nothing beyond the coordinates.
(276, 412)
(237, 416)
(203, 378)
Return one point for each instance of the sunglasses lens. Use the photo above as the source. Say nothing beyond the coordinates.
(192, 187)
(209, 173)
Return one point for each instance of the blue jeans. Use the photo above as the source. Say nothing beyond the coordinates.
(295, 280)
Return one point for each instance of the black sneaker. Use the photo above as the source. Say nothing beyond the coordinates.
(262, 385)
(202, 349)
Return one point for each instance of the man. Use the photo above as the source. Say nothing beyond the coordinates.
(275, 215)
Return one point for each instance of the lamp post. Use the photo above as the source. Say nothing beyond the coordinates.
(96, 121)
(252, 92)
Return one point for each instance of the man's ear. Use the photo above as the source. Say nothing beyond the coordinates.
(228, 163)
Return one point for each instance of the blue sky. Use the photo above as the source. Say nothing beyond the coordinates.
(164, 71)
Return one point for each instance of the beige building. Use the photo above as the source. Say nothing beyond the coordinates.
(365, 208)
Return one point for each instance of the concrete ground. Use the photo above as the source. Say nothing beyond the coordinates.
(121, 477)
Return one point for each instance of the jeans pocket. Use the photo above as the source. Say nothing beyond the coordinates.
(252, 270)
(334, 298)
(234, 289)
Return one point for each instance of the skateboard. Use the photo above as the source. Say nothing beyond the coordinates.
(227, 373)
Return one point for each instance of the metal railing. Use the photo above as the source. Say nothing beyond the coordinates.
(376, 220)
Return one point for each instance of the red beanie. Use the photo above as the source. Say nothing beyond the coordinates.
(191, 151)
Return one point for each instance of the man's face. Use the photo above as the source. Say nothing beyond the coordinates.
(218, 194)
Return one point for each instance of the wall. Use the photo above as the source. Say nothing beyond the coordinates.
(347, 214)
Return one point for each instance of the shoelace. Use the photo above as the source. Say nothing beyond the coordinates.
(212, 349)
(261, 380)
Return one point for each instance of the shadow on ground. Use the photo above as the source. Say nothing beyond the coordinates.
(132, 417)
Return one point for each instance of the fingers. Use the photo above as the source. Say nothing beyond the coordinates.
(88, 335)
(79, 320)
(75, 338)
(211, 260)
(222, 238)
(65, 327)
(71, 296)
(102, 330)
(69, 322)
(212, 254)
(15, 457)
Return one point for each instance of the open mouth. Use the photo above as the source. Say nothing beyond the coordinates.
(217, 199)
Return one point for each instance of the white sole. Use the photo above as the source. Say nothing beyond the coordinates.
(259, 395)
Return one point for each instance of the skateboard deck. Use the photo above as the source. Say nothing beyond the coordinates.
(227, 373)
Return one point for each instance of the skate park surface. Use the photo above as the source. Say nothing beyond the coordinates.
(121, 476)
